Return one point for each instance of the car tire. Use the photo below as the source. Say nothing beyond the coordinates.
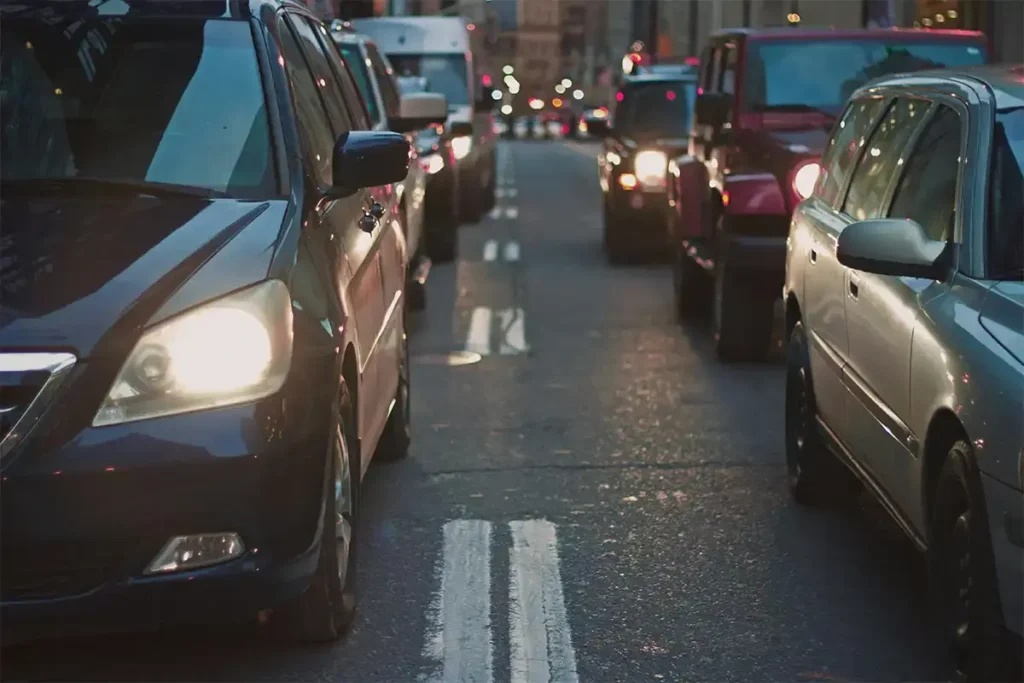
(326, 610)
(394, 442)
(743, 316)
(815, 474)
(415, 295)
(962, 575)
(689, 285)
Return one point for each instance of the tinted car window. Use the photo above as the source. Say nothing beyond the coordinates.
(824, 73)
(93, 109)
(353, 99)
(314, 128)
(844, 145)
(728, 85)
(927, 191)
(357, 65)
(655, 110)
(385, 80)
(1006, 207)
(880, 158)
(323, 76)
(445, 74)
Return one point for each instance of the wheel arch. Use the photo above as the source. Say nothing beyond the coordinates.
(944, 430)
(350, 376)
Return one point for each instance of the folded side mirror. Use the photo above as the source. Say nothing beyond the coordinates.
(460, 129)
(893, 246)
(368, 159)
(416, 111)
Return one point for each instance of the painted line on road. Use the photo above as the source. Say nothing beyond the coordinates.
(513, 332)
(503, 192)
(459, 636)
(511, 212)
(479, 337)
(511, 251)
(540, 642)
(490, 250)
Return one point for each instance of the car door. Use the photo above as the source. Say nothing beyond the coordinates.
(823, 300)
(882, 310)
(350, 251)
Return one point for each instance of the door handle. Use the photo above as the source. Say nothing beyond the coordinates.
(854, 285)
(376, 210)
(813, 255)
(367, 223)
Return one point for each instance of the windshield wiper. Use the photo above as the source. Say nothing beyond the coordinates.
(88, 184)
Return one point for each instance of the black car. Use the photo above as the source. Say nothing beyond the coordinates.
(202, 337)
(649, 125)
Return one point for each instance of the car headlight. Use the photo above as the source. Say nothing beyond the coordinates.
(231, 350)
(432, 164)
(806, 178)
(461, 146)
(650, 167)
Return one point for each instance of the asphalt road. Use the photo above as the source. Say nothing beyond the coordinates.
(597, 499)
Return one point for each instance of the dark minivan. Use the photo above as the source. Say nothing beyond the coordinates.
(202, 330)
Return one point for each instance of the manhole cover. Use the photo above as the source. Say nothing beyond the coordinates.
(451, 359)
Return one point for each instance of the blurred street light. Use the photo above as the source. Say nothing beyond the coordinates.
(559, 88)
(506, 109)
(536, 103)
(514, 88)
(496, 95)
(577, 94)
(508, 70)
(566, 82)
(557, 102)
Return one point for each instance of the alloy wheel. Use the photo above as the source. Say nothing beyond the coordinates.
(798, 419)
(343, 503)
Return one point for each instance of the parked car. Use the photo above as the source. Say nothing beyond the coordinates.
(376, 82)
(648, 127)
(202, 336)
(439, 49)
(904, 302)
(769, 98)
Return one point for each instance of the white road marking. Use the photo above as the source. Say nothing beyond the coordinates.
(512, 193)
(495, 213)
(491, 250)
(511, 251)
(513, 332)
(500, 192)
(479, 338)
(540, 641)
(511, 212)
(459, 636)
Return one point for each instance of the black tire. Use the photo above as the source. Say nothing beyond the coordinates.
(815, 475)
(326, 610)
(743, 315)
(690, 285)
(962, 576)
(394, 442)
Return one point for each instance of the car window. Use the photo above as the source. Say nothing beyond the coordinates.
(728, 82)
(880, 158)
(353, 99)
(447, 74)
(652, 110)
(385, 79)
(716, 71)
(311, 118)
(927, 190)
(330, 89)
(845, 144)
(357, 65)
(93, 109)
(1006, 206)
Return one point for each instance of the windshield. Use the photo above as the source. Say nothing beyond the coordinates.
(444, 74)
(822, 74)
(1006, 206)
(172, 102)
(656, 110)
(357, 65)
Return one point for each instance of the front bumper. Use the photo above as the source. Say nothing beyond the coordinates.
(82, 519)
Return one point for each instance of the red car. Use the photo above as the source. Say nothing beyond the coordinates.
(767, 101)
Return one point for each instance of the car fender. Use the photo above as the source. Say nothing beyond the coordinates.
(753, 194)
(690, 198)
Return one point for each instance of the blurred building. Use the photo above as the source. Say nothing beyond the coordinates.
(1001, 20)
(538, 46)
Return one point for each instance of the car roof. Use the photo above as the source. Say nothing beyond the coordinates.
(1005, 82)
(823, 32)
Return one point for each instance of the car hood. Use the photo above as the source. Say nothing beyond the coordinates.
(77, 272)
(1002, 315)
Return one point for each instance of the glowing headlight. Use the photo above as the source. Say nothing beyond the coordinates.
(433, 164)
(461, 146)
(231, 350)
(805, 179)
(650, 167)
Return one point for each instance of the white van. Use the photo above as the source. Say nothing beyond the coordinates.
(438, 49)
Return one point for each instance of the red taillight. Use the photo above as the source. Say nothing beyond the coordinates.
(619, 96)
(693, 61)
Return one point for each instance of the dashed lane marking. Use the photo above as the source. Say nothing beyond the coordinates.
(479, 337)
(513, 332)
(511, 251)
(490, 250)
(511, 212)
(510, 332)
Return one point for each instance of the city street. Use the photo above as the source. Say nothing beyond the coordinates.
(596, 499)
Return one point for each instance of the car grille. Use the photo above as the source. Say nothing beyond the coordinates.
(37, 571)
(28, 383)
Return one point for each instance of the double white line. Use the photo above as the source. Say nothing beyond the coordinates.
(459, 637)
(510, 252)
(511, 331)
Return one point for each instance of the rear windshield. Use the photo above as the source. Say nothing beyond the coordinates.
(178, 102)
(444, 74)
(1006, 216)
(822, 74)
(655, 110)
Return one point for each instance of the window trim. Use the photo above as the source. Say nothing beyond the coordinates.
(328, 44)
(840, 199)
(264, 44)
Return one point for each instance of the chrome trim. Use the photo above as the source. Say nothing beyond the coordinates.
(59, 365)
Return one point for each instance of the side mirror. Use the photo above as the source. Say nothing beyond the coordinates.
(599, 128)
(460, 129)
(892, 246)
(368, 159)
(485, 105)
(416, 111)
